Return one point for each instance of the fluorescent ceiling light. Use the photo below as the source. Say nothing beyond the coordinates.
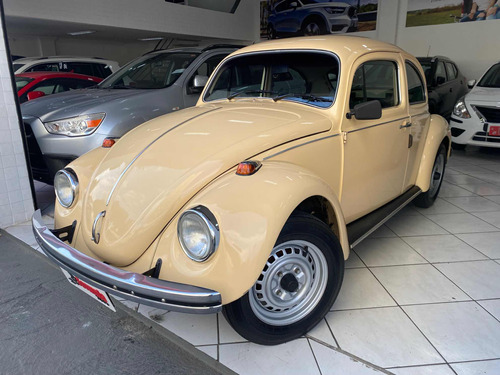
(153, 38)
(82, 32)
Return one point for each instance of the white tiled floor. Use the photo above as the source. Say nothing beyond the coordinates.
(420, 296)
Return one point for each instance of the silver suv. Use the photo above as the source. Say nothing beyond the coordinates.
(61, 127)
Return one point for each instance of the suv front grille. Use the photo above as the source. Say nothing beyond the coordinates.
(490, 114)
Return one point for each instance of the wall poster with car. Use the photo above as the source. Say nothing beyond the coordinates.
(437, 12)
(287, 18)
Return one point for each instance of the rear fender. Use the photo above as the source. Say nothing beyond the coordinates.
(251, 212)
(438, 133)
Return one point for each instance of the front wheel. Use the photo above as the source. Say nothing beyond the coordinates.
(313, 27)
(296, 288)
(425, 200)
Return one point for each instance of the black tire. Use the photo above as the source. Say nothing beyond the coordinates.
(268, 325)
(313, 27)
(427, 199)
(271, 32)
(457, 146)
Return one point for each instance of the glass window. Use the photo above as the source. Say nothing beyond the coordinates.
(209, 66)
(17, 66)
(103, 71)
(79, 68)
(152, 71)
(416, 92)
(22, 81)
(375, 80)
(450, 71)
(50, 67)
(491, 78)
(305, 77)
(440, 73)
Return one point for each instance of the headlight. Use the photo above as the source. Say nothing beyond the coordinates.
(460, 110)
(75, 126)
(66, 187)
(198, 233)
(335, 10)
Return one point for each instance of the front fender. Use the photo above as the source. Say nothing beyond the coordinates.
(438, 132)
(251, 212)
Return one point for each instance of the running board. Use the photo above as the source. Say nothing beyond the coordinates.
(358, 230)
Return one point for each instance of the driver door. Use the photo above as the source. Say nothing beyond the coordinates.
(375, 151)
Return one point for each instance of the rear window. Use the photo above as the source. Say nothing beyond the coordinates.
(22, 81)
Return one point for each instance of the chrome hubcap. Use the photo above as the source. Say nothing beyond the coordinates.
(437, 175)
(312, 29)
(291, 283)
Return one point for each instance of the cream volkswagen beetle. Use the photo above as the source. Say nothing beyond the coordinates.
(250, 201)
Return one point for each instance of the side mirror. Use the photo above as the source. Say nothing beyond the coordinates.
(371, 110)
(35, 94)
(471, 83)
(440, 80)
(294, 4)
(199, 83)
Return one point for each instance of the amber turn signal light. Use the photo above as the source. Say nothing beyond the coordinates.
(108, 142)
(247, 168)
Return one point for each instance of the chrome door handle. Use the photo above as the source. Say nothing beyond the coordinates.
(406, 124)
(97, 237)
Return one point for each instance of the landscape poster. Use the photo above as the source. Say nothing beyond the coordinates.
(437, 12)
(287, 18)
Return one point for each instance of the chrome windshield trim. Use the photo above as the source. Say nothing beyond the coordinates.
(148, 146)
(136, 287)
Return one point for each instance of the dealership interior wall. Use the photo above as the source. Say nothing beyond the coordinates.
(40, 30)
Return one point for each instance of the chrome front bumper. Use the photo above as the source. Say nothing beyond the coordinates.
(128, 285)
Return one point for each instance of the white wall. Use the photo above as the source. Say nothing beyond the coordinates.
(16, 202)
(473, 45)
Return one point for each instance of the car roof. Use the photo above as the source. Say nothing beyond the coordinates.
(434, 58)
(344, 46)
(26, 60)
(198, 49)
(38, 75)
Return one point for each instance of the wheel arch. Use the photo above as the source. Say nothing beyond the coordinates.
(250, 211)
(438, 133)
(314, 16)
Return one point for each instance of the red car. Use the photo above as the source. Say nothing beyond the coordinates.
(37, 84)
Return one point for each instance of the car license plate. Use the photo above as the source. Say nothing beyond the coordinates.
(92, 291)
(494, 131)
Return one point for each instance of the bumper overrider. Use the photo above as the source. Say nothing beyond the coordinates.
(128, 285)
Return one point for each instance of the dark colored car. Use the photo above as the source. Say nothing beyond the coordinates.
(445, 84)
(37, 84)
(311, 17)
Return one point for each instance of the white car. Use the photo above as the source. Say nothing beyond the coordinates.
(90, 66)
(476, 117)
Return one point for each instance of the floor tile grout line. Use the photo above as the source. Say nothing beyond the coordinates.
(352, 356)
(473, 214)
(331, 332)
(314, 356)
(424, 365)
(404, 312)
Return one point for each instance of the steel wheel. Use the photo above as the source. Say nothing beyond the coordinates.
(437, 174)
(291, 283)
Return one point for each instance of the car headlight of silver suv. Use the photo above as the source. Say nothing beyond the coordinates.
(75, 126)
(66, 187)
(460, 110)
(198, 233)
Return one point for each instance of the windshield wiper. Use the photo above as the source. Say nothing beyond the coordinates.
(237, 93)
(310, 97)
(119, 87)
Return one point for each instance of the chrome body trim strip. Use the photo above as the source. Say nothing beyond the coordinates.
(382, 123)
(302, 144)
(136, 287)
(148, 146)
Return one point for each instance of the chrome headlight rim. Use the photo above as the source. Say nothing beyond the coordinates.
(210, 222)
(73, 180)
(460, 109)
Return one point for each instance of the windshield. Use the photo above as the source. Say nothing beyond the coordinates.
(17, 67)
(305, 77)
(427, 67)
(491, 78)
(22, 81)
(153, 71)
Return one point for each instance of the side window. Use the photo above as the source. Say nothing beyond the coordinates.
(440, 73)
(104, 70)
(375, 80)
(284, 5)
(209, 66)
(47, 87)
(80, 68)
(51, 67)
(451, 71)
(416, 92)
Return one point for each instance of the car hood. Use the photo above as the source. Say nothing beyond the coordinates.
(152, 172)
(484, 94)
(79, 102)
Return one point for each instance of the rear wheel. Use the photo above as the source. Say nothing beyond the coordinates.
(427, 199)
(296, 288)
(313, 27)
(271, 32)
